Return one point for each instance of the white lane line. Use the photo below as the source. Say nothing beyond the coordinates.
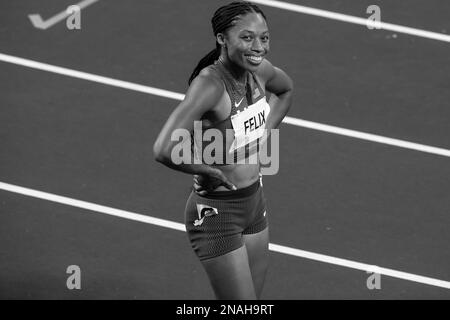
(180, 227)
(91, 206)
(90, 77)
(360, 266)
(352, 19)
(179, 96)
(367, 136)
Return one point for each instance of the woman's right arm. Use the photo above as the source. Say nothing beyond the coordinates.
(203, 94)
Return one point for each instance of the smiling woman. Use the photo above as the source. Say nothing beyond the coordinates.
(225, 215)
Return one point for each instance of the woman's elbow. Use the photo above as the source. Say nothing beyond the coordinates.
(159, 153)
(290, 85)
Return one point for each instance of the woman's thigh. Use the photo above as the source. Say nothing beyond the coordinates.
(230, 275)
(257, 245)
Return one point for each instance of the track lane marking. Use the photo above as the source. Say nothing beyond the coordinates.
(180, 227)
(353, 19)
(178, 96)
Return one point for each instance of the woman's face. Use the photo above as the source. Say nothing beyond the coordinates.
(247, 42)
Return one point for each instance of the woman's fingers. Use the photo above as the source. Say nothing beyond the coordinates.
(200, 188)
(225, 182)
(197, 187)
(203, 184)
(196, 178)
(229, 185)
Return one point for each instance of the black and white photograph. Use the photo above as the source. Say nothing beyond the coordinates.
(199, 151)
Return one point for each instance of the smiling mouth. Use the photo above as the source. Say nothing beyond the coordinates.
(254, 59)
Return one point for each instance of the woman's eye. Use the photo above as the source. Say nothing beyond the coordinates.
(265, 39)
(247, 38)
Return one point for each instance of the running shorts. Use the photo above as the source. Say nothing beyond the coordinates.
(216, 222)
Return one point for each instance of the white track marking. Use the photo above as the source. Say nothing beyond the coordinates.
(359, 266)
(352, 19)
(178, 96)
(90, 77)
(180, 227)
(367, 136)
(91, 206)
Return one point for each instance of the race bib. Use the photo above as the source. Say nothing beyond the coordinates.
(249, 124)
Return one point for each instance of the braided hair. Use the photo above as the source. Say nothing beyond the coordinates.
(224, 18)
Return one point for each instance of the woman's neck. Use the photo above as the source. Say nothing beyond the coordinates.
(239, 74)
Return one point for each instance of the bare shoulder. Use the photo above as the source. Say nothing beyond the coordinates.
(211, 75)
(266, 71)
(205, 90)
(275, 79)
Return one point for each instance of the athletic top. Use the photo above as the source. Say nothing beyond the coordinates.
(244, 126)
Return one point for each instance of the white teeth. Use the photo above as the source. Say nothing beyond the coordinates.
(255, 58)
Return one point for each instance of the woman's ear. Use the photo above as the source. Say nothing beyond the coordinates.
(220, 39)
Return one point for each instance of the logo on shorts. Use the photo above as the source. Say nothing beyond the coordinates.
(203, 212)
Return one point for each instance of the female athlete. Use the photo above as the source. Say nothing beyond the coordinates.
(225, 215)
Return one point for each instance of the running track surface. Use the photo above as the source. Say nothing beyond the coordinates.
(334, 195)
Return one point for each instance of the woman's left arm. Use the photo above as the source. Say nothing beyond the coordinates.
(280, 84)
